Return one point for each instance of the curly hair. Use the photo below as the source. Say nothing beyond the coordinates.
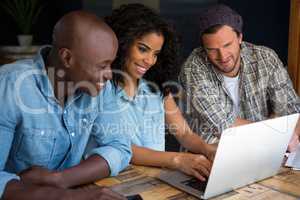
(133, 21)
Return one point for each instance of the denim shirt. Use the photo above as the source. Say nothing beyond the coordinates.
(36, 130)
(144, 115)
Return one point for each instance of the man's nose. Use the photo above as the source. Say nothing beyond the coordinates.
(222, 54)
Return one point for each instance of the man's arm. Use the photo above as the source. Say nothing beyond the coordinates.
(89, 170)
(240, 121)
(283, 98)
(17, 190)
(93, 168)
(11, 188)
(113, 143)
(111, 155)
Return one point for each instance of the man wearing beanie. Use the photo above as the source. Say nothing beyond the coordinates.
(229, 82)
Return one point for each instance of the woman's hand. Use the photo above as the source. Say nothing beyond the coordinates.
(294, 142)
(210, 151)
(192, 164)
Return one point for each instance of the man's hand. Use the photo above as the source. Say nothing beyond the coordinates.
(193, 164)
(18, 190)
(41, 176)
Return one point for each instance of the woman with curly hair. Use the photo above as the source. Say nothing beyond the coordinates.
(145, 72)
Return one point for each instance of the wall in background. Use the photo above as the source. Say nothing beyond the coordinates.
(183, 14)
(100, 8)
(42, 30)
(154, 4)
(294, 45)
(265, 22)
(103, 8)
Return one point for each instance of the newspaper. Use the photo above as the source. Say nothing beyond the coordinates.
(294, 159)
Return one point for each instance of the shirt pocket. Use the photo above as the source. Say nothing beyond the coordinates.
(259, 103)
(36, 146)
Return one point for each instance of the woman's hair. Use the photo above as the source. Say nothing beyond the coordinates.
(133, 21)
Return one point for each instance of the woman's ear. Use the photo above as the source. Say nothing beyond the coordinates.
(240, 38)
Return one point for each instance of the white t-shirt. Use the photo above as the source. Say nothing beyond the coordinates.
(232, 86)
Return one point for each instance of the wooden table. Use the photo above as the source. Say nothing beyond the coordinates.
(142, 180)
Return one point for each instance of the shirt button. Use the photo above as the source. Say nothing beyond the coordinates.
(65, 112)
(42, 132)
(72, 134)
(84, 121)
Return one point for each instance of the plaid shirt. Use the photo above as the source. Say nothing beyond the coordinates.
(264, 89)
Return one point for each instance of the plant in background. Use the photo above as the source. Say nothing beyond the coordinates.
(24, 12)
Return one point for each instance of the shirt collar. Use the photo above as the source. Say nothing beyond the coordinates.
(247, 57)
(143, 89)
(42, 77)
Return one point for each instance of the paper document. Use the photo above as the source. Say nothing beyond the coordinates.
(294, 159)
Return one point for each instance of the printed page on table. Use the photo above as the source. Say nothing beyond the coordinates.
(294, 159)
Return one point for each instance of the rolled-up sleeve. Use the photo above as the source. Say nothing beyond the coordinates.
(116, 151)
(110, 140)
(5, 178)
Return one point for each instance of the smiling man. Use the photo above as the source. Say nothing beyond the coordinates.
(229, 82)
(51, 105)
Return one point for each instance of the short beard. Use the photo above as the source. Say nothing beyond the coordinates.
(234, 65)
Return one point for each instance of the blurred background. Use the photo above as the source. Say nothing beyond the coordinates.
(265, 22)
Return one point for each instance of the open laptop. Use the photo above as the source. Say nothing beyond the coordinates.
(245, 154)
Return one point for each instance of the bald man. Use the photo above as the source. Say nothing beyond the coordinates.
(51, 105)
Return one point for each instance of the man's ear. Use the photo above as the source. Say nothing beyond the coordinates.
(65, 57)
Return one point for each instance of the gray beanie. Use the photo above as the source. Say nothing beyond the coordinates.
(219, 14)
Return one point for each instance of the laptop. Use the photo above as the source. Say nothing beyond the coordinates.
(245, 154)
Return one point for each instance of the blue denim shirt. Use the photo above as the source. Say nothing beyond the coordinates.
(144, 115)
(36, 130)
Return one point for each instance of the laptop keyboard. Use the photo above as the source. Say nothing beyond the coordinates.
(196, 184)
